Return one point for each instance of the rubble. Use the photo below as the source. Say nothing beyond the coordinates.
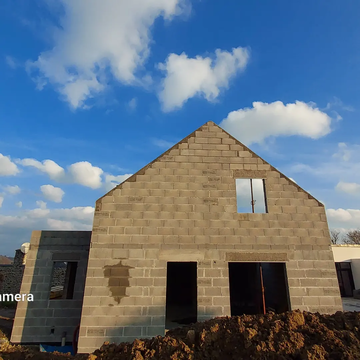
(292, 335)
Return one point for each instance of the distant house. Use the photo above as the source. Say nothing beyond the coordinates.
(207, 229)
(347, 263)
(4, 260)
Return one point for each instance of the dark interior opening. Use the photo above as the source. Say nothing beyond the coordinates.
(63, 280)
(246, 288)
(70, 277)
(181, 294)
(345, 278)
(276, 287)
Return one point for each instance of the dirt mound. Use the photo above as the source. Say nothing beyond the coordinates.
(293, 335)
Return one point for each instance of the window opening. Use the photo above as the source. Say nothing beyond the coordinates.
(63, 280)
(250, 195)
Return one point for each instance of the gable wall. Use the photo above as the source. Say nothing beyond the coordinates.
(182, 207)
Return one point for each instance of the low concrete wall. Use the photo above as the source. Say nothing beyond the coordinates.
(11, 275)
(44, 320)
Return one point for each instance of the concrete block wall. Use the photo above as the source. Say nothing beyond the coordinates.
(34, 320)
(182, 207)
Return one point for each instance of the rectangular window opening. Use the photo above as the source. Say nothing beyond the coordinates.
(250, 196)
(181, 294)
(63, 280)
(256, 288)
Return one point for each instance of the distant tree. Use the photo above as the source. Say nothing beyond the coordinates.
(335, 237)
(352, 237)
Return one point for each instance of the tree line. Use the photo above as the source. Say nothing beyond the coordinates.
(352, 237)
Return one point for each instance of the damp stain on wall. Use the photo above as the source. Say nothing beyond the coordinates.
(118, 279)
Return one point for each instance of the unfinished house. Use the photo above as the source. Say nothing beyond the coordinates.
(207, 229)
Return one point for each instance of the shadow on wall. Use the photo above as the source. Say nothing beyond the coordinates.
(44, 320)
(149, 326)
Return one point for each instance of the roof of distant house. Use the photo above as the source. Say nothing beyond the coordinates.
(4, 260)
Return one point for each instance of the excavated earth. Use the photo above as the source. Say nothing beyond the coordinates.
(293, 335)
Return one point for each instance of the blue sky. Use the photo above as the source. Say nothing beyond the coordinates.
(92, 91)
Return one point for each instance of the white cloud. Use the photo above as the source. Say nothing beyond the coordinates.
(349, 188)
(61, 225)
(86, 174)
(13, 190)
(49, 167)
(52, 193)
(82, 173)
(337, 103)
(1, 200)
(277, 119)
(111, 181)
(11, 62)
(132, 104)
(189, 77)
(19, 204)
(7, 167)
(97, 36)
(38, 218)
(341, 167)
(343, 218)
(14, 230)
(343, 153)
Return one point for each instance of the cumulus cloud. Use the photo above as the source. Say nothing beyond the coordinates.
(82, 173)
(349, 188)
(52, 193)
(96, 38)
(13, 190)
(19, 204)
(49, 167)
(263, 120)
(86, 174)
(7, 167)
(1, 200)
(14, 230)
(343, 218)
(205, 77)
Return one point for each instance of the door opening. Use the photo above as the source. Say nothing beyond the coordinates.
(181, 294)
(345, 278)
(256, 288)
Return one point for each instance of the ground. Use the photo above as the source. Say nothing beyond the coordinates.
(293, 335)
(350, 304)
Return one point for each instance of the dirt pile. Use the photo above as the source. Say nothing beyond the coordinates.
(293, 335)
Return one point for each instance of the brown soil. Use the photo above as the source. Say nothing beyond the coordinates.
(293, 335)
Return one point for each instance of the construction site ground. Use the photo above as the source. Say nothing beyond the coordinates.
(293, 335)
